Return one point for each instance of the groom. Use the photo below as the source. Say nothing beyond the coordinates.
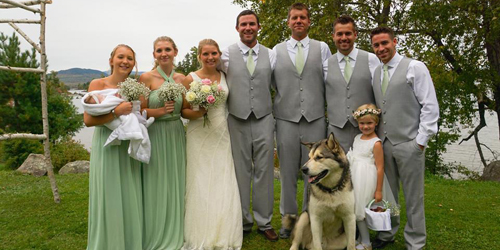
(249, 68)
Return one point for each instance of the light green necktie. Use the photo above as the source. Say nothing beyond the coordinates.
(299, 58)
(250, 62)
(347, 69)
(385, 80)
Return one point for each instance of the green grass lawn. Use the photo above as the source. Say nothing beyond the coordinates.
(459, 214)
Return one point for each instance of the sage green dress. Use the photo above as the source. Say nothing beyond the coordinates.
(115, 196)
(164, 179)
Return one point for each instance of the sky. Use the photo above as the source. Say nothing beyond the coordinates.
(82, 33)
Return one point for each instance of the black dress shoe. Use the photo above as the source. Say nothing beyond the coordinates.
(247, 232)
(379, 244)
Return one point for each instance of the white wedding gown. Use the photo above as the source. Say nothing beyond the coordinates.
(213, 217)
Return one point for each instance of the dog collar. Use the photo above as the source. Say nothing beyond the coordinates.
(339, 186)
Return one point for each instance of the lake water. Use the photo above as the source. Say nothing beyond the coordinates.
(465, 154)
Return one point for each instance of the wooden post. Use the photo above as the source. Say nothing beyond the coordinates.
(45, 114)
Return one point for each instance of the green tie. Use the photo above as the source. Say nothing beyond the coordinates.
(385, 80)
(299, 58)
(250, 62)
(347, 69)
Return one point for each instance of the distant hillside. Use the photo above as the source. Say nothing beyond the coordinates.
(73, 77)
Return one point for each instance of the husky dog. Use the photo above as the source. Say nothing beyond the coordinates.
(329, 222)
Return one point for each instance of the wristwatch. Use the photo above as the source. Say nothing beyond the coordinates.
(113, 113)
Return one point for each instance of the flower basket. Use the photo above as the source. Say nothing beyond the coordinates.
(378, 218)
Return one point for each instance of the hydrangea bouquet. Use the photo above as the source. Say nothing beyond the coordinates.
(130, 90)
(170, 91)
(205, 94)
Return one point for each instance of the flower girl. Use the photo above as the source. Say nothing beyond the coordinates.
(367, 169)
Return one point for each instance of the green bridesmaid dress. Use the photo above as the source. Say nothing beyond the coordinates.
(115, 196)
(164, 178)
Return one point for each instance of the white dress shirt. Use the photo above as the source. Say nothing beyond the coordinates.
(244, 51)
(420, 79)
(373, 62)
(291, 46)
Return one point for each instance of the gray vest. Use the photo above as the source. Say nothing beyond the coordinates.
(249, 93)
(343, 98)
(299, 95)
(400, 117)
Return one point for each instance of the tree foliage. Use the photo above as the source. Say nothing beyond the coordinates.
(190, 62)
(459, 40)
(20, 96)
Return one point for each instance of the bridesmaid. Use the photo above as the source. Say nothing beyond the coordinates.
(115, 187)
(164, 177)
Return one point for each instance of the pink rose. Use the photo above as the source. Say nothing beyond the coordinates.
(219, 88)
(210, 99)
(206, 81)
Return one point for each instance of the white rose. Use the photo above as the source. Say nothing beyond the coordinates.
(190, 96)
(205, 89)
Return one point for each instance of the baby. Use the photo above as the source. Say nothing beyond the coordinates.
(130, 127)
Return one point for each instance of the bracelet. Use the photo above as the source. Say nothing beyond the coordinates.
(114, 114)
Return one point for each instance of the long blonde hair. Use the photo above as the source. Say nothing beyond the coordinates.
(113, 52)
(163, 39)
(204, 42)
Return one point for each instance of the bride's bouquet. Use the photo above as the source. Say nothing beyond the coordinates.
(170, 91)
(205, 94)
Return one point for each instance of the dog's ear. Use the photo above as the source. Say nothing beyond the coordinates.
(307, 144)
(330, 142)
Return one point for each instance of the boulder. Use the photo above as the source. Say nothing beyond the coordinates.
(34, 165)
(75, 167)
(492, 172)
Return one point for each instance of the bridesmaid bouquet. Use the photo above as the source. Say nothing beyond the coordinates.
(170, 91)
(204, 94)
(130, 90)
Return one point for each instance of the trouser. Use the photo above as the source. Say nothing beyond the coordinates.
(292, 155)
(252, 144)
(406, 162)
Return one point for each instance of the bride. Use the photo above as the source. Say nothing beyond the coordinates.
(213, 209)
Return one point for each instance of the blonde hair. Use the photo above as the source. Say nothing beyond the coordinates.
(163, 39)
(367, 110)
(113, 52)
(205, 42)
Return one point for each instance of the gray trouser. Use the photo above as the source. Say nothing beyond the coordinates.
(345, 136)
(252, 143)
(292, 155)
(406, 162)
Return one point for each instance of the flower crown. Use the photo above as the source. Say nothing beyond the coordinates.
(363, 112)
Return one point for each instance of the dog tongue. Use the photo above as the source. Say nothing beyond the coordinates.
(312, 178)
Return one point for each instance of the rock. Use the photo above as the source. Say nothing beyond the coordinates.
(76, 167)
(492, 172)
(34, 165)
